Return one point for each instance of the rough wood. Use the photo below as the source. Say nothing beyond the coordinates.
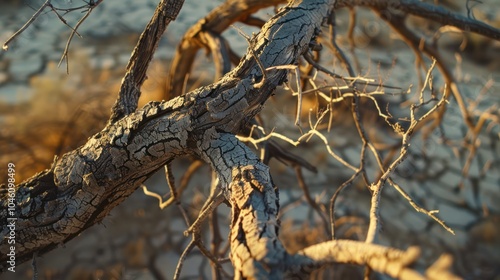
(203, 34)
(84, 185)
(128, 97)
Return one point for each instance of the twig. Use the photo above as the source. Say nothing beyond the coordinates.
(307, 195)
(26, 25)
(34, 265)
(73, 32)
(211, 204)
(257, 60)
(333, 199)
(418, 208)
(182, 258)
(337, 50)
(377, 187)
(54, 9)
(173, 192)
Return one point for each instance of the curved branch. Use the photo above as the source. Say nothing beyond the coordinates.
(419, 44)
(128, 97)
(198, 36)
(220, 54)
(392, 262)
(84, 185)
(428, 11)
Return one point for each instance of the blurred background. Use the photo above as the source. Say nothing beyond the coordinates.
(45, 111)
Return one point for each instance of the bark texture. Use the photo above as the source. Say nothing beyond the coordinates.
(206, 33)
(166, 11)
(84, 185)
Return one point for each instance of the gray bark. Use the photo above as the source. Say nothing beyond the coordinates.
(84, 185)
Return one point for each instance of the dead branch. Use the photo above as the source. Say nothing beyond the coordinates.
(84, 185)
(427, 11)
(201, 35)
(166, 11)
(392, 262)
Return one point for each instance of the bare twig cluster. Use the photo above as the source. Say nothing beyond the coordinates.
(60, 12)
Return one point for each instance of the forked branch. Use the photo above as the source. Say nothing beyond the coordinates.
(84, 185)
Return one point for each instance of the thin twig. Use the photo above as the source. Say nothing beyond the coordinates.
(26, 25)
(333, 199)
(257, 60)
(66, 48)
(377, 187)
(307, 195)
(182, 258)
(418, 208)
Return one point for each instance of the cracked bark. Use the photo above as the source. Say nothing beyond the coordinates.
(166, 11)
(84, 185)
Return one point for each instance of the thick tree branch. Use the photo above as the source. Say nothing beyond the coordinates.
(84, 185)
(428, 11)
(166, 11)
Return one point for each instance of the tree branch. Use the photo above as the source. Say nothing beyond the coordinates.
(202, 35)
(428, 11)
(166, 11)
(84, 185)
